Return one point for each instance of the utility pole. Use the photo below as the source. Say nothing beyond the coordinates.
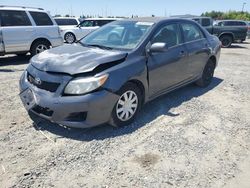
(243, 6)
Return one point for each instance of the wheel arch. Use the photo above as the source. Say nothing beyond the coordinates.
(40, 39)
(67, 33)
(228, 34)
(140, 85)
(213, 59)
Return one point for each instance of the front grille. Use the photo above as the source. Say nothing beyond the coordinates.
(48, 86)
(77, 117)
(41, 110)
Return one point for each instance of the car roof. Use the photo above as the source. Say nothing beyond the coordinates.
(72, 18)
(102, 18)
(7, 7)
(201, 17)
(154, 19)
(230, 21)
(190, 17)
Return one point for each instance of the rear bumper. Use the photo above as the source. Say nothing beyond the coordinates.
(73, 111)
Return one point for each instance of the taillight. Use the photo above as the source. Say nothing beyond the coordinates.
(59, 31)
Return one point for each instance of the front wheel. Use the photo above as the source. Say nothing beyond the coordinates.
(207, 75)
(127, 106)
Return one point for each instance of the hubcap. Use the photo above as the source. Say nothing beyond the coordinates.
(69, 38)
(40, 48)
(225, 42)
(127, 106)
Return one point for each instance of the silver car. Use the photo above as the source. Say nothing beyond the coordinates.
(72, 34)
(26, 29)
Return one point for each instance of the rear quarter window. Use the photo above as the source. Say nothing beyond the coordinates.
(41, 18)
(14, 18)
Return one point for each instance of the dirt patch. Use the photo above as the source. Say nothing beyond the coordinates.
(148, 160)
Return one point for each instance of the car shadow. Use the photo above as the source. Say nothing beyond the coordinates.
(152, 110)
(14, 60)
(237, 46)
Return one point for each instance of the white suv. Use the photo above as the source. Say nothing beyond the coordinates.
(25, 29)
(66, 21)
(74, 33)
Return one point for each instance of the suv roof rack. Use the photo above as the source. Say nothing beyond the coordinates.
(24, 7)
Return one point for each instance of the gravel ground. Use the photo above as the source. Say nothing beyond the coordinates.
(192, 137)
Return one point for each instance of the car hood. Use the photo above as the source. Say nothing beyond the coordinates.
(75, 59)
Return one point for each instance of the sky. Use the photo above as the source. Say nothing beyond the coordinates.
(131, 7)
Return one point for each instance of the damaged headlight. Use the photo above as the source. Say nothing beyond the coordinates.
(81, 86)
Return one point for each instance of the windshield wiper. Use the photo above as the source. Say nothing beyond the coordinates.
(100, 46)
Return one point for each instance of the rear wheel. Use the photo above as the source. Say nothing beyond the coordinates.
(69, 38)
(207, 75)
(226, 41)
(39, 47)
(127, 106)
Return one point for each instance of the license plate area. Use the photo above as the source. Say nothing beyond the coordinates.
(28, 99)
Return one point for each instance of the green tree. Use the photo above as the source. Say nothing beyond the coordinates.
(232, 15)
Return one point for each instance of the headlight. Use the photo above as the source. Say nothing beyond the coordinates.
(80, 86)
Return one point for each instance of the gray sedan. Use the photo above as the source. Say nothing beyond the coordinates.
(108, 75)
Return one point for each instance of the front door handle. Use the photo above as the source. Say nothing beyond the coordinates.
(182, 53)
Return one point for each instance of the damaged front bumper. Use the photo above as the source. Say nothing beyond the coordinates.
(73, 111)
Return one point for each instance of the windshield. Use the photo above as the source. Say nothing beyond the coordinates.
(118, 35)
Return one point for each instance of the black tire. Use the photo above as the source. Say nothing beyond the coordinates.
(115, 120)
(36, 45)
(226, 41)
(207, 75)
(68, 36)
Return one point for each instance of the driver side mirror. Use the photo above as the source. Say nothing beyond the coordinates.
(158, 47)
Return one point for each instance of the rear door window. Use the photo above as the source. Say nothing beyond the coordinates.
(14, 18)
(41, 18)
(234, 23)
(241, 23)
(191, 32)
(66, 21)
